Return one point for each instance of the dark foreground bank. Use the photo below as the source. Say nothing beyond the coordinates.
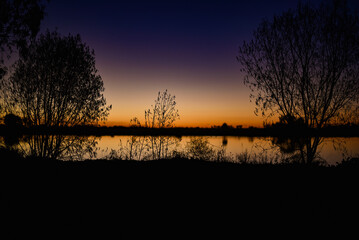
(178, 197)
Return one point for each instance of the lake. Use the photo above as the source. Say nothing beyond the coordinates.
(224, 148)
(332, 150)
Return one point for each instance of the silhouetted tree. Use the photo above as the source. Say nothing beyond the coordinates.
(162, 115)
(19, 24)
(13, 132)
(12, 121)
(287, 121)
(304, 64)
(57, 84)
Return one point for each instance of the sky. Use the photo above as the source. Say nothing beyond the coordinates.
(186, 47)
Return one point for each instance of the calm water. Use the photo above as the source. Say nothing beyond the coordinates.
(332, 150)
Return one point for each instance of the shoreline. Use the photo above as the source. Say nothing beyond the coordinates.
(333, 131)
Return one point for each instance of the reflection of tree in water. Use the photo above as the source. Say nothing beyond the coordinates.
(146, 148)
(12, 132)
(10, 141)
(288, 145)
(160, 147)
(224, 141)
(62, 147)
(339, 145)
(161, 115)
(301, 149)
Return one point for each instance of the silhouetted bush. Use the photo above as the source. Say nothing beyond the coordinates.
(199, 148)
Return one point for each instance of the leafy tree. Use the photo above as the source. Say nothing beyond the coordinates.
(19, 23)
(304, 64)
(57, 84)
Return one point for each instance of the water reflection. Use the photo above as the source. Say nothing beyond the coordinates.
(144, 148)
(224, 141)
(11, 140)
(228, 148)
(302, 149)
(65, 147)
(232, 149)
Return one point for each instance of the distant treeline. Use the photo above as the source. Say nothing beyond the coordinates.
(330, 131)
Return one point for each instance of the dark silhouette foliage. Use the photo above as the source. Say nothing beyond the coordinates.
(57, 83)
(304, 64)
(12, 121)
(19, 24)
(13, 130)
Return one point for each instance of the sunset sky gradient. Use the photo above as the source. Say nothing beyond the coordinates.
(187, 47)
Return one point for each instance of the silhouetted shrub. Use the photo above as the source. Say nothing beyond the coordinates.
(199, 148)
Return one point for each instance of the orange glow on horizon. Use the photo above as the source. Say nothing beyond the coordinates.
(204, 99)
(199, 103)
(192, 124)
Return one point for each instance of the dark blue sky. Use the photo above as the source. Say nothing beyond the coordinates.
(187, 47)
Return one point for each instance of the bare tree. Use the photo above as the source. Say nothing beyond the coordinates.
(304, 64)
(57, 83)
(162, 115)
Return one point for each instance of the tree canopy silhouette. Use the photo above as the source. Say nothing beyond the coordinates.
(19, 25)
(57, 83)
(304, 64)
(12, 121)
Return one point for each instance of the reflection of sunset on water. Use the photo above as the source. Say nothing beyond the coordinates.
(254, 146)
